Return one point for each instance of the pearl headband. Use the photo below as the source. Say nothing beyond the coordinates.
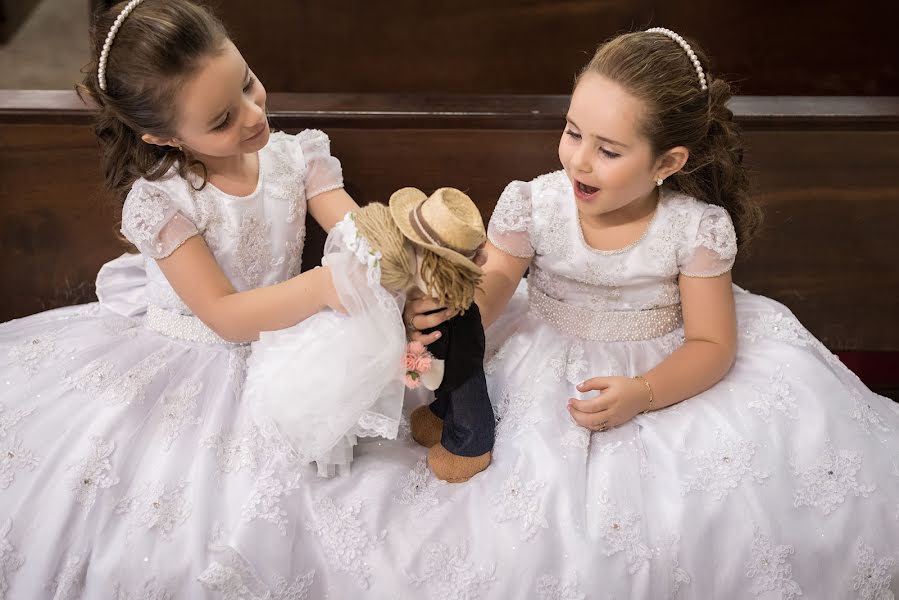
(683, 44)
(104, 54)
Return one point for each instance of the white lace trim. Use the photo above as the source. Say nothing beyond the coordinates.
(361, 248)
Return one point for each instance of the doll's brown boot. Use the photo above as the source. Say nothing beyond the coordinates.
(426, 426)
(454, 468)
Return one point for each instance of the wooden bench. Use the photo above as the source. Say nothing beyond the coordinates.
(825, 169)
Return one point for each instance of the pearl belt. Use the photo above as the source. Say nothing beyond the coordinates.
(605, 326)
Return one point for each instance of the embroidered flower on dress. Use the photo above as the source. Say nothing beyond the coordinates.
(573, 367)
(418, 489)
(550, 588)
(69, 584)
(448, 574)
(777, 326)
(516, 412)
(862, 413)
(777, 395)
(826, 483)
(622, 531)
(93, 473)
(770, 568)
(873, 575)
(150, 591)
(14, 457)
(156, 506)
(10, 559)
(178, 410)
(235, 579)
(265, 501)
(32, 351)
(722, 467)
(343, 538)
(521, 503)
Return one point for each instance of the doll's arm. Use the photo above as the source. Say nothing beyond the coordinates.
(433, 378)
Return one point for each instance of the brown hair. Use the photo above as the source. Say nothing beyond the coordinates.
(157, 47)
(452, 285)
(655, 69)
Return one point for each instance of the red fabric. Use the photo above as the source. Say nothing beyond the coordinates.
(874, 368)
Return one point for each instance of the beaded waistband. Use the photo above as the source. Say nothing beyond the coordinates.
(181, 327)
(605, 326)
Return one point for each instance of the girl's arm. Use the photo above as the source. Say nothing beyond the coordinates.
(502, 273)
(710, 344)
(710, 331)
(239, 316)
(329, 208)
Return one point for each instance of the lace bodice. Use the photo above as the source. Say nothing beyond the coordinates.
(539, 219)
(257, 239)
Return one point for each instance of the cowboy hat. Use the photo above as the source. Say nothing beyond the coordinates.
(447, 223)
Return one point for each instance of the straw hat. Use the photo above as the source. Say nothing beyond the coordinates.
(447, 223)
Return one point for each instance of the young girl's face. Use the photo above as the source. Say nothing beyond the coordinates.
(221, 109)
(609, 162)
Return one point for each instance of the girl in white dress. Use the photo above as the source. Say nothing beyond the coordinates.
(119, 422)
(666, 433)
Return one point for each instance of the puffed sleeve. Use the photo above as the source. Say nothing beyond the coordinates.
(509, 228)
(713, 248)
(323, 171)
(154, 222)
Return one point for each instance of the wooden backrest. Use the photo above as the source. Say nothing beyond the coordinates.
(825, 171)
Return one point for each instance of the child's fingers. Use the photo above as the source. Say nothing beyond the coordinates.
(595, 384)
(424, 338)
(590, 405)
(421, 322)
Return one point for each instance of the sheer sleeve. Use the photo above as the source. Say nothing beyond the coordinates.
(153, 222)
(323, 171)
(510, 224)
(713, 248)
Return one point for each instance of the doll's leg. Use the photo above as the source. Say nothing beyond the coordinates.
(426, 426)
(468, 423)
(468, 432)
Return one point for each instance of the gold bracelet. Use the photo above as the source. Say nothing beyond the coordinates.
(648, 387)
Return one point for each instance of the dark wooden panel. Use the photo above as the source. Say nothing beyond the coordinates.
(517, 46)
(56, 228)
(536, 47)
(827, 178)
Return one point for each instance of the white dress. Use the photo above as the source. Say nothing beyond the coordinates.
(121, 442)
(781, 481)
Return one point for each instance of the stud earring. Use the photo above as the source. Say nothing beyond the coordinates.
(659, 182)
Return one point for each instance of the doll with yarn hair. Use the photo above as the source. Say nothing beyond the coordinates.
(377, 255)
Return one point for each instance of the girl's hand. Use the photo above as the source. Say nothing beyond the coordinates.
(620, 399)
(416, 320)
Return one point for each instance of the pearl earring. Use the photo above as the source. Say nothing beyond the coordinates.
(659, 182)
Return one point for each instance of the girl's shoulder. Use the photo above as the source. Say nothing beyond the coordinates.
(550, 184)
(306, 145)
